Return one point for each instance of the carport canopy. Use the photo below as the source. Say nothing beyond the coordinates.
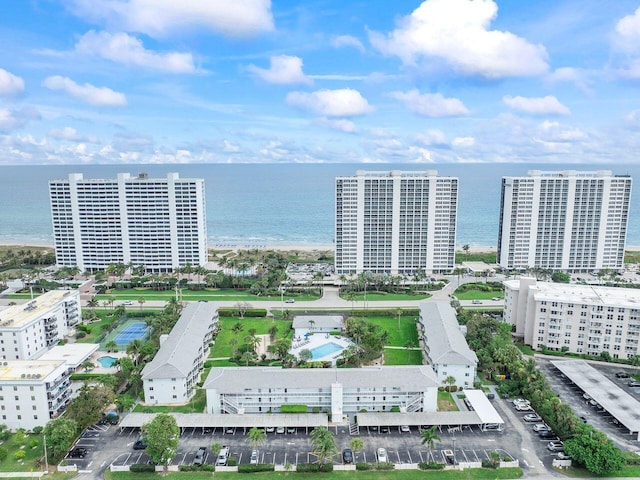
(195, 420)
(483, 407)
(390, 419)
(610, 396)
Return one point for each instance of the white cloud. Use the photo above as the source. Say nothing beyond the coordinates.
(129, 50)
(463, 142)
(160, 18)
(347, 41)
(548, 105)
(626, 36)
(87, 93)
(10, 84)
(431, 104)
(556, 132)
(341, 124)
(579, 77)
(11, 119)
(283, 70)
(433, 137)
(71, 134)
(229, 147)
(345, 102)
(457, 33)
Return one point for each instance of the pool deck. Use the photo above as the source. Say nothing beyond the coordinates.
(317, 339)
(99, 368)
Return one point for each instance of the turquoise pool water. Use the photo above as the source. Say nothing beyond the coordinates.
(107, 361)
(324, 350)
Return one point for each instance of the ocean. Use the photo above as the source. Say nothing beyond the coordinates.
(276, 204)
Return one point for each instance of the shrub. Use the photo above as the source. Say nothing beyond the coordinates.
(142, 468)
(293, 408)
(395, 409)
(232, 462)
(20, 454)
(489, 464)
(430, 466)
(37, 430)
(364, 466)
(253, 468)
(385, 466)
(3, 452)
(314, 467)
(80, 334)
(34, 443)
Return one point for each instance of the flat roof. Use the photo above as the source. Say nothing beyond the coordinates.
(483, 407)
(390, 419)
(319, 321)
(479, 267)
(27, 370)
(71, 353)
(187, 420)
(613, 399)
(18, 316)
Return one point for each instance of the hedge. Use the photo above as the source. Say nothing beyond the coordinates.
(233, 312)
(89, 376)
(364, 466)
(142, 467)
(256, 467)
(293, 408)
(196, 468)
(430, 466)
(314, 467)
(384, 466)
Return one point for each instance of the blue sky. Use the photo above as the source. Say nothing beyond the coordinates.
(371, 81)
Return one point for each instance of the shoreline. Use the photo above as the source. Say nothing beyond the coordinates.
(306, 247)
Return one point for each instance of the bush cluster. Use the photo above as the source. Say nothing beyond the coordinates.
(256, 467)
(364, 466)
(196, 468)
(252, 312)
(430, 466)
(314, 467)
(142, 468)
(293, 408)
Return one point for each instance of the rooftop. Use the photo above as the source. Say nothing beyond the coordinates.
(445, 341)
(319, 321)
(194, 420)
(180, 349)
(18, 316)
(71, 353)
(238, 379)
(583, 294)
(27, 370)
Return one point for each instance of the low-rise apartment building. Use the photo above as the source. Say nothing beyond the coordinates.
(338, 391)
(32, 392)
(576, 318)
(445, 347)
(171, 376)
(28, 330)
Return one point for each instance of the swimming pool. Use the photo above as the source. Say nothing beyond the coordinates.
(106, 361)
(324, 350)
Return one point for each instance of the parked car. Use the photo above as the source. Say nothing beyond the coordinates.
(583, 418)
(347, 455)
(384, 429)
(622, 375)
(532, 417)
(254, 457)
(223, 457)
(490, 396)
(476, 302)
(78, 452)
(539, 427)
(381, 453)
(140, 444)
(563, 456)
(290, 300)
(229, 430)
(405, 428)
(127, 302)
(547, 434)
(586, 396)
(523, 407)
(280, 430)
(200, 454)
(291, 430)
(270, 429)
(633, 383)
(555, 446)
(520, 401)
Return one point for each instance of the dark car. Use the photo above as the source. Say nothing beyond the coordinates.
(622, 375)
(347, 455)
(199, 460)
(140, 444)
(547, 434)
(102, 421)
(78, 452)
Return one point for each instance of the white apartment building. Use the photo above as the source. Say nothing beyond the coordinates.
(156, 222)
(32, 392)
(338, 391)
(170, 377)
(564, 220)
(395, 222)
(445, 347)
(28, 330)
(579, 318)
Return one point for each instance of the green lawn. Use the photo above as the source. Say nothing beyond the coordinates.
(626, 472)
(196, 405)
(446, 403)
(398, 338)
(107, 317)
(222, 348)
(211, 294)
(376, 296)
(10, 464)
(394, 356)
(468, 474)
(478, 295)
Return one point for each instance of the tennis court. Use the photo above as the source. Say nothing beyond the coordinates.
(132, 331)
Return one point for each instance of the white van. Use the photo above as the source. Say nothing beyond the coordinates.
(223, 456)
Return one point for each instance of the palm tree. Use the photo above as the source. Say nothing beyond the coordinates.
(111, 346)
(273, 331)
(87, 365)
(466, 249)
(399, 314)
(252, 341)
(256, 437)
(312, 323)
(247, 357)
(451, 381)
(141, 301)
(134, 349)
(323, 443)
(429, 437)
(356, 444)
(92, 304)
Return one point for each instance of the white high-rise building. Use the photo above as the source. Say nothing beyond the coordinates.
(156, 222)
(566, 220)
(395, 222)
(28, 330)
(584, 319)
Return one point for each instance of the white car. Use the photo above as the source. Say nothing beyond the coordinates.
(538, 427)
(127, 302)
(254, 457)
(382, 455)
(405, 428)
(280, 430)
